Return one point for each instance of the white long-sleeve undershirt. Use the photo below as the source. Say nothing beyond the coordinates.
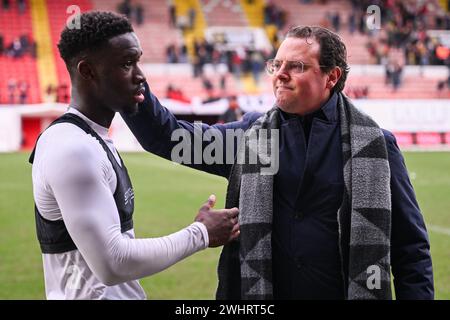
(73, 180)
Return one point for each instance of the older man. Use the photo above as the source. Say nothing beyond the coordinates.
(338, 215)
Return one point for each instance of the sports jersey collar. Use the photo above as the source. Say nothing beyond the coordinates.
(100, 130)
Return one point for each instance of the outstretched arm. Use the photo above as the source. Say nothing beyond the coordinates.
(159, 132)
(89, 212)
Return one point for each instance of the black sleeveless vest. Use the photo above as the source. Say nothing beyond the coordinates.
(53, 235)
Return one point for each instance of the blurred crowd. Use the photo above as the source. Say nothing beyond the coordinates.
(402, 39)
(134, 12)
(239, 61)
(59, 93)
(21, 5)
(17, 91)
(19, 47)
(404, 25)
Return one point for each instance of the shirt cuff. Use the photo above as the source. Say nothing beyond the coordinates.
(204, 231)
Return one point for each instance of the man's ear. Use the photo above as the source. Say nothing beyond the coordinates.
(85, 69)
(333, 77)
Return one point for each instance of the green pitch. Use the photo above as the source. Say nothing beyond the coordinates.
(168, 197)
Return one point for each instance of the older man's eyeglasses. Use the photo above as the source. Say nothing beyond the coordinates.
(295, 67)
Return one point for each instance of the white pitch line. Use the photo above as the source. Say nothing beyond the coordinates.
(438, 229)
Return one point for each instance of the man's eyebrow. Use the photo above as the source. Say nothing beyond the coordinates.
(132, 53)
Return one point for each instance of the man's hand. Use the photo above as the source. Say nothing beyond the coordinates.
(222, 225)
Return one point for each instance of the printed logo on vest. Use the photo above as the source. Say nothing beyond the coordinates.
(129, 195)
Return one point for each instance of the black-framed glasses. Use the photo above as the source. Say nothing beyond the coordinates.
(295, 67)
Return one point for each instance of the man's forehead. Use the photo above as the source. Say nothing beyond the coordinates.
(299, 48)
(126, 41)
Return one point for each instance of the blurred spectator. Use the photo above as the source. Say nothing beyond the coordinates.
(6, 4)
(257, 64)
(373, 52)
(2, 44)
(336, 21)
(201, 57)
(15, 49)
(21, 4)
(274, 15)
(361, 21)
(441, 86)
(125, 8)
(171, 54)
(237, 59)
(172, 14)
(269, 13)
(183, 56)
(62, 93)
(139, 9)
(192, 13)
(134, 13)
(208, 86)
(23, 92)
(233, 113)
(394, 75)
(176, 94)
(223, 83)
(222, 71)
(175, 54)
(197, 67)
(12, 86)
(24, 41)
(352, 22)
(50, 94)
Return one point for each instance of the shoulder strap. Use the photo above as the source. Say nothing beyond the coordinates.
(79, 122)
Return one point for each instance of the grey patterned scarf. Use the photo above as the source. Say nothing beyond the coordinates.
(364, 218)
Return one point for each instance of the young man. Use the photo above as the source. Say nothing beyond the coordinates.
(83, 194)
(338, 215)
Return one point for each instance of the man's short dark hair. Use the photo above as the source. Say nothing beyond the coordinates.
(96, 28)
(332, 50)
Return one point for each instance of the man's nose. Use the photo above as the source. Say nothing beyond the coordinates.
(282, 73)
(140, 77)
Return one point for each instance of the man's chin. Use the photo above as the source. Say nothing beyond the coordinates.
(286, 107)
(283, 105)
